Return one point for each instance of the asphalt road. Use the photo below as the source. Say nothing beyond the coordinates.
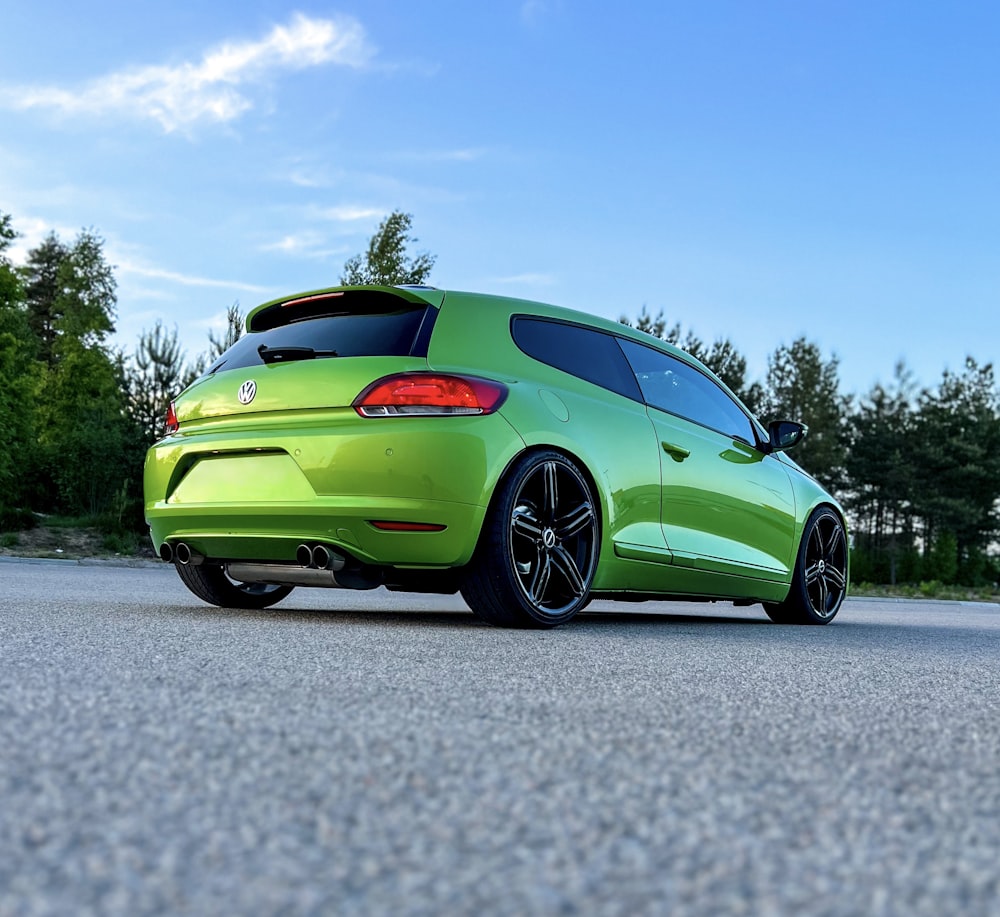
(365, 753)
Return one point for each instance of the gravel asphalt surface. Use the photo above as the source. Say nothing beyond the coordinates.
(371, 753)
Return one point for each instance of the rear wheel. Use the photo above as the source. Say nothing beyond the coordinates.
(211, 584)
(537, 554)
(819, 583)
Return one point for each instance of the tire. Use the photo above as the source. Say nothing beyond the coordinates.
(819, 582)
(211, 584)
(537, 554)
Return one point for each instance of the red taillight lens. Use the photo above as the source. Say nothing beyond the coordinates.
(429, 394)
(171, 424)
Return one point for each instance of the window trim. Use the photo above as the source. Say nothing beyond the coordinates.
(637, 398)
(755, 425)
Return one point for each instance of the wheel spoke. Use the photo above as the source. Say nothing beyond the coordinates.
(550, 489)
(525, 523)
(540, 578)
(574, 521)
(565, 564)
(823, 595)
(812, 574)
(835, 577)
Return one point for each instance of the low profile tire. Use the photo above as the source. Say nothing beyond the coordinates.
(211, 584)
(537, 554)
(819, 583)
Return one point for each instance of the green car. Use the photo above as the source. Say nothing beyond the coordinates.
(529, 456)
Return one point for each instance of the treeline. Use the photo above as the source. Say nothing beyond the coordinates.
(918, 469)
(76, 414)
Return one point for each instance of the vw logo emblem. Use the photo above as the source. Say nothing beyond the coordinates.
(247, 391)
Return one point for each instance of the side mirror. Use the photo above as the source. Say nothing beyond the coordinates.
(785, 434)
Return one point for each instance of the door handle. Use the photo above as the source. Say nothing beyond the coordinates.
(677, 453)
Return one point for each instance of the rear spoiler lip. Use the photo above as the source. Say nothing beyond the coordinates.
(411, 294)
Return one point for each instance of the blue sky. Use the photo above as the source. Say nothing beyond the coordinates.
(757, 170)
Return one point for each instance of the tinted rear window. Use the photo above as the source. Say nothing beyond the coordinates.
(396, 333)
(583, 352)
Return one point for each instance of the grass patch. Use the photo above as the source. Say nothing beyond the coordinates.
(932, 589)
(9, 540)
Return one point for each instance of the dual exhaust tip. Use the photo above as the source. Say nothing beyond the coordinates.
(309, 556)
(179, 552)
(319, 557)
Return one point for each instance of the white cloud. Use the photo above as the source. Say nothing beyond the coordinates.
(130, 267)
(528, 279)
(348, 214)
(212, 89)
(470, 154)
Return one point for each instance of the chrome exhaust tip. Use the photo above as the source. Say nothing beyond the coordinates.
(304, 556)
(321, 557)
(185, 555)
(167, 552)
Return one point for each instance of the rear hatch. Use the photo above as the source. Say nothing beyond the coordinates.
(315, 350)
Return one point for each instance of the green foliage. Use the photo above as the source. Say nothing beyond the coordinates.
(957, 476)
(153, 378)
(802, 386)
(386, 260)
(17, 393)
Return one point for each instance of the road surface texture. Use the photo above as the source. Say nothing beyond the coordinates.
(370, 753)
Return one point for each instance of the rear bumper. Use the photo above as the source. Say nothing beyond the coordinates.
(256, 491)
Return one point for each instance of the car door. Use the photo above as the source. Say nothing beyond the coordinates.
(725, 504)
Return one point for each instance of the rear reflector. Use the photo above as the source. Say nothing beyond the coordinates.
(386, 526)
(429, 394)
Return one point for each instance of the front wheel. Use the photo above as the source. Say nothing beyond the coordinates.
(819, 582)
(537, 554)
(211, 584)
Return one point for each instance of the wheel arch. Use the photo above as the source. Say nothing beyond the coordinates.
(581, 464)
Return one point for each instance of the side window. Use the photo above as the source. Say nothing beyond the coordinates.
(674, 386)
(582, 352)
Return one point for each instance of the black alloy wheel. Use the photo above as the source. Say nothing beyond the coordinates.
(819, 583)
(537, 554)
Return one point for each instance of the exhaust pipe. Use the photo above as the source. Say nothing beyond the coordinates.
(167, 552)
(185, 556)
(319, 557)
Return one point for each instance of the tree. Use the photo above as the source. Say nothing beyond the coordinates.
(69, 291)
(802, 386)
(217, 346)
(42, 292)
(957, 481)
(84, 435)
(17, 395)
(387, 261)
(881, 470)
(154, 376)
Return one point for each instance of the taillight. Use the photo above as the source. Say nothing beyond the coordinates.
(429, 394)
(171, 424)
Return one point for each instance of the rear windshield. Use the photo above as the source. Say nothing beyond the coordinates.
(397, 333)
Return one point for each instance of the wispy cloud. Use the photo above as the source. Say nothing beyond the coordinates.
(212, 89)
(534, 11)
(187, 280)
(470, 154)
(528, 279)
(348, 213)
(303, 245)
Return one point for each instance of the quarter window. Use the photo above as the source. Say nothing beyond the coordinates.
(583, 352)
(678, 388)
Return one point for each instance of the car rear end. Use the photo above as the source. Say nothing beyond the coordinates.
(323, 428)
